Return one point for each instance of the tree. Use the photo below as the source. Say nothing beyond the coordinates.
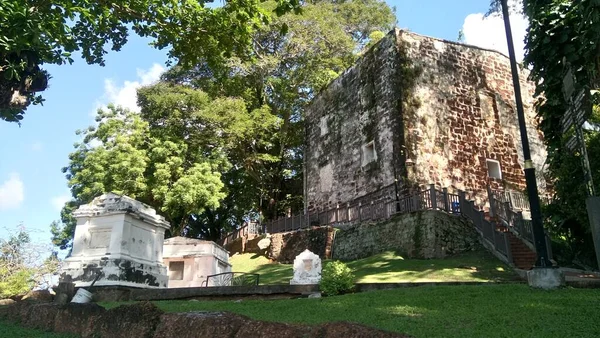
(22, 266)
(170, 156)
(284, 72)
(564, 34)
(255, 140)
(33, 33)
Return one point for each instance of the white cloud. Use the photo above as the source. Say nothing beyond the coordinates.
(11, 192)
(125, 94)
(488, 32)
(59, 201)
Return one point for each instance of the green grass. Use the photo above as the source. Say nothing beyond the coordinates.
(505, 310)
(11, 330)
(388, 267)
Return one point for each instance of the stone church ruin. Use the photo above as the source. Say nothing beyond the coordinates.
(414, 111)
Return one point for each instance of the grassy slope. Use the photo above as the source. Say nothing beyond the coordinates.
(508, 310)
(389, 267)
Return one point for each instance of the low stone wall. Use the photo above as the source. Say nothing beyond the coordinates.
(423, 234)
(286, 246)
(145, 320)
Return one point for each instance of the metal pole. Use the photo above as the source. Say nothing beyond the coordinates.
(532, 191)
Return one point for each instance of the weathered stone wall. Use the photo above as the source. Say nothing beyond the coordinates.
(353, 111)
(436, 111)
(424, 234)
(285, 246)
(466, 115)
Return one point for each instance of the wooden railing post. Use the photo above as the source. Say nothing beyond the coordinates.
(507, 209)
(360, 211)
(337, 212)
(432, 196)
(348, 211)
(508, 249)
(416, 197)
(462, 205)
(492, 201)
(447, 207)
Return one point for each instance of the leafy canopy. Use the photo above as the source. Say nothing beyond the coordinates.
(170, 156)
(565, 34)
(33, 33)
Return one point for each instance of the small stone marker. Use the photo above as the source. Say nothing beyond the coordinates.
(307, 269)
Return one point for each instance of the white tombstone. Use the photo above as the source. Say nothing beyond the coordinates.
(119, 239)
(190, 261)
(307, 268)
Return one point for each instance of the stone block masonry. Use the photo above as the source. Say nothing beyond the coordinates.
(421, 234)
(418, 110)
(285, 246)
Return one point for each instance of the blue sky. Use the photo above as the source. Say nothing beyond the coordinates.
(32, 186)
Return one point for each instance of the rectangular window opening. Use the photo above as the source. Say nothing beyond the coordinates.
(494, 170)
(176, 270)
(369, 154)
(323, 125)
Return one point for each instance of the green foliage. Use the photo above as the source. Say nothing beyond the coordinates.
(284, 72)
(336, 278)
(564, 34)
(21, 267)
(33, 33)
(180, 155)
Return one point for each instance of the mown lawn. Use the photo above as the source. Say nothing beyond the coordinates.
(387, 267)
(10, 330)
(493, 310)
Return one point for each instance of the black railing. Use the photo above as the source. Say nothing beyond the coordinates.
(365, 210)
(498, 240)
(510, 214)
(232, 279)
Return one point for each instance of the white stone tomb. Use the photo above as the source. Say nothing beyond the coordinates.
(120, 238)
(307, 268)
(190, 261)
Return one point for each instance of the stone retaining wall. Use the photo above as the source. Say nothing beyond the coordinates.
(145, 320)
(286, 246)
(423, 234)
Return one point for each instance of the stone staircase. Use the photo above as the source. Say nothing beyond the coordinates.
(523, 257)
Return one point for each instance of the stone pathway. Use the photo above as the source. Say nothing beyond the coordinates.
(581, 278)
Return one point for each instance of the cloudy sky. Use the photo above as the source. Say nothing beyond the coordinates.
(32, 186)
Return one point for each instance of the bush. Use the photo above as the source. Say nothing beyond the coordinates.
(337, 278)
(22, 266)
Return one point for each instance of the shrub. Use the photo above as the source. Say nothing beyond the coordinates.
(336, 278)
(22, 266)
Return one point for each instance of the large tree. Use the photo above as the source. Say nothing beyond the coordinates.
(170, 156)
(256, 143)
(37, 32)
(284, 71)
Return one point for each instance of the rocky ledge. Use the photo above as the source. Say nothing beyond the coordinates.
(144, 319)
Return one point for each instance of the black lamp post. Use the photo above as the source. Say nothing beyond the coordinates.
(543, 260)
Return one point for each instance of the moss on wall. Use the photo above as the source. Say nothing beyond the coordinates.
(425, 234)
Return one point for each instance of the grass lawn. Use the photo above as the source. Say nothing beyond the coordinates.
(505, 310)
(10, 330)
(387, 267)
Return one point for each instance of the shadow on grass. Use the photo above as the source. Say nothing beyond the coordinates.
(441, 311)
(473, 266)
(388, 267)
